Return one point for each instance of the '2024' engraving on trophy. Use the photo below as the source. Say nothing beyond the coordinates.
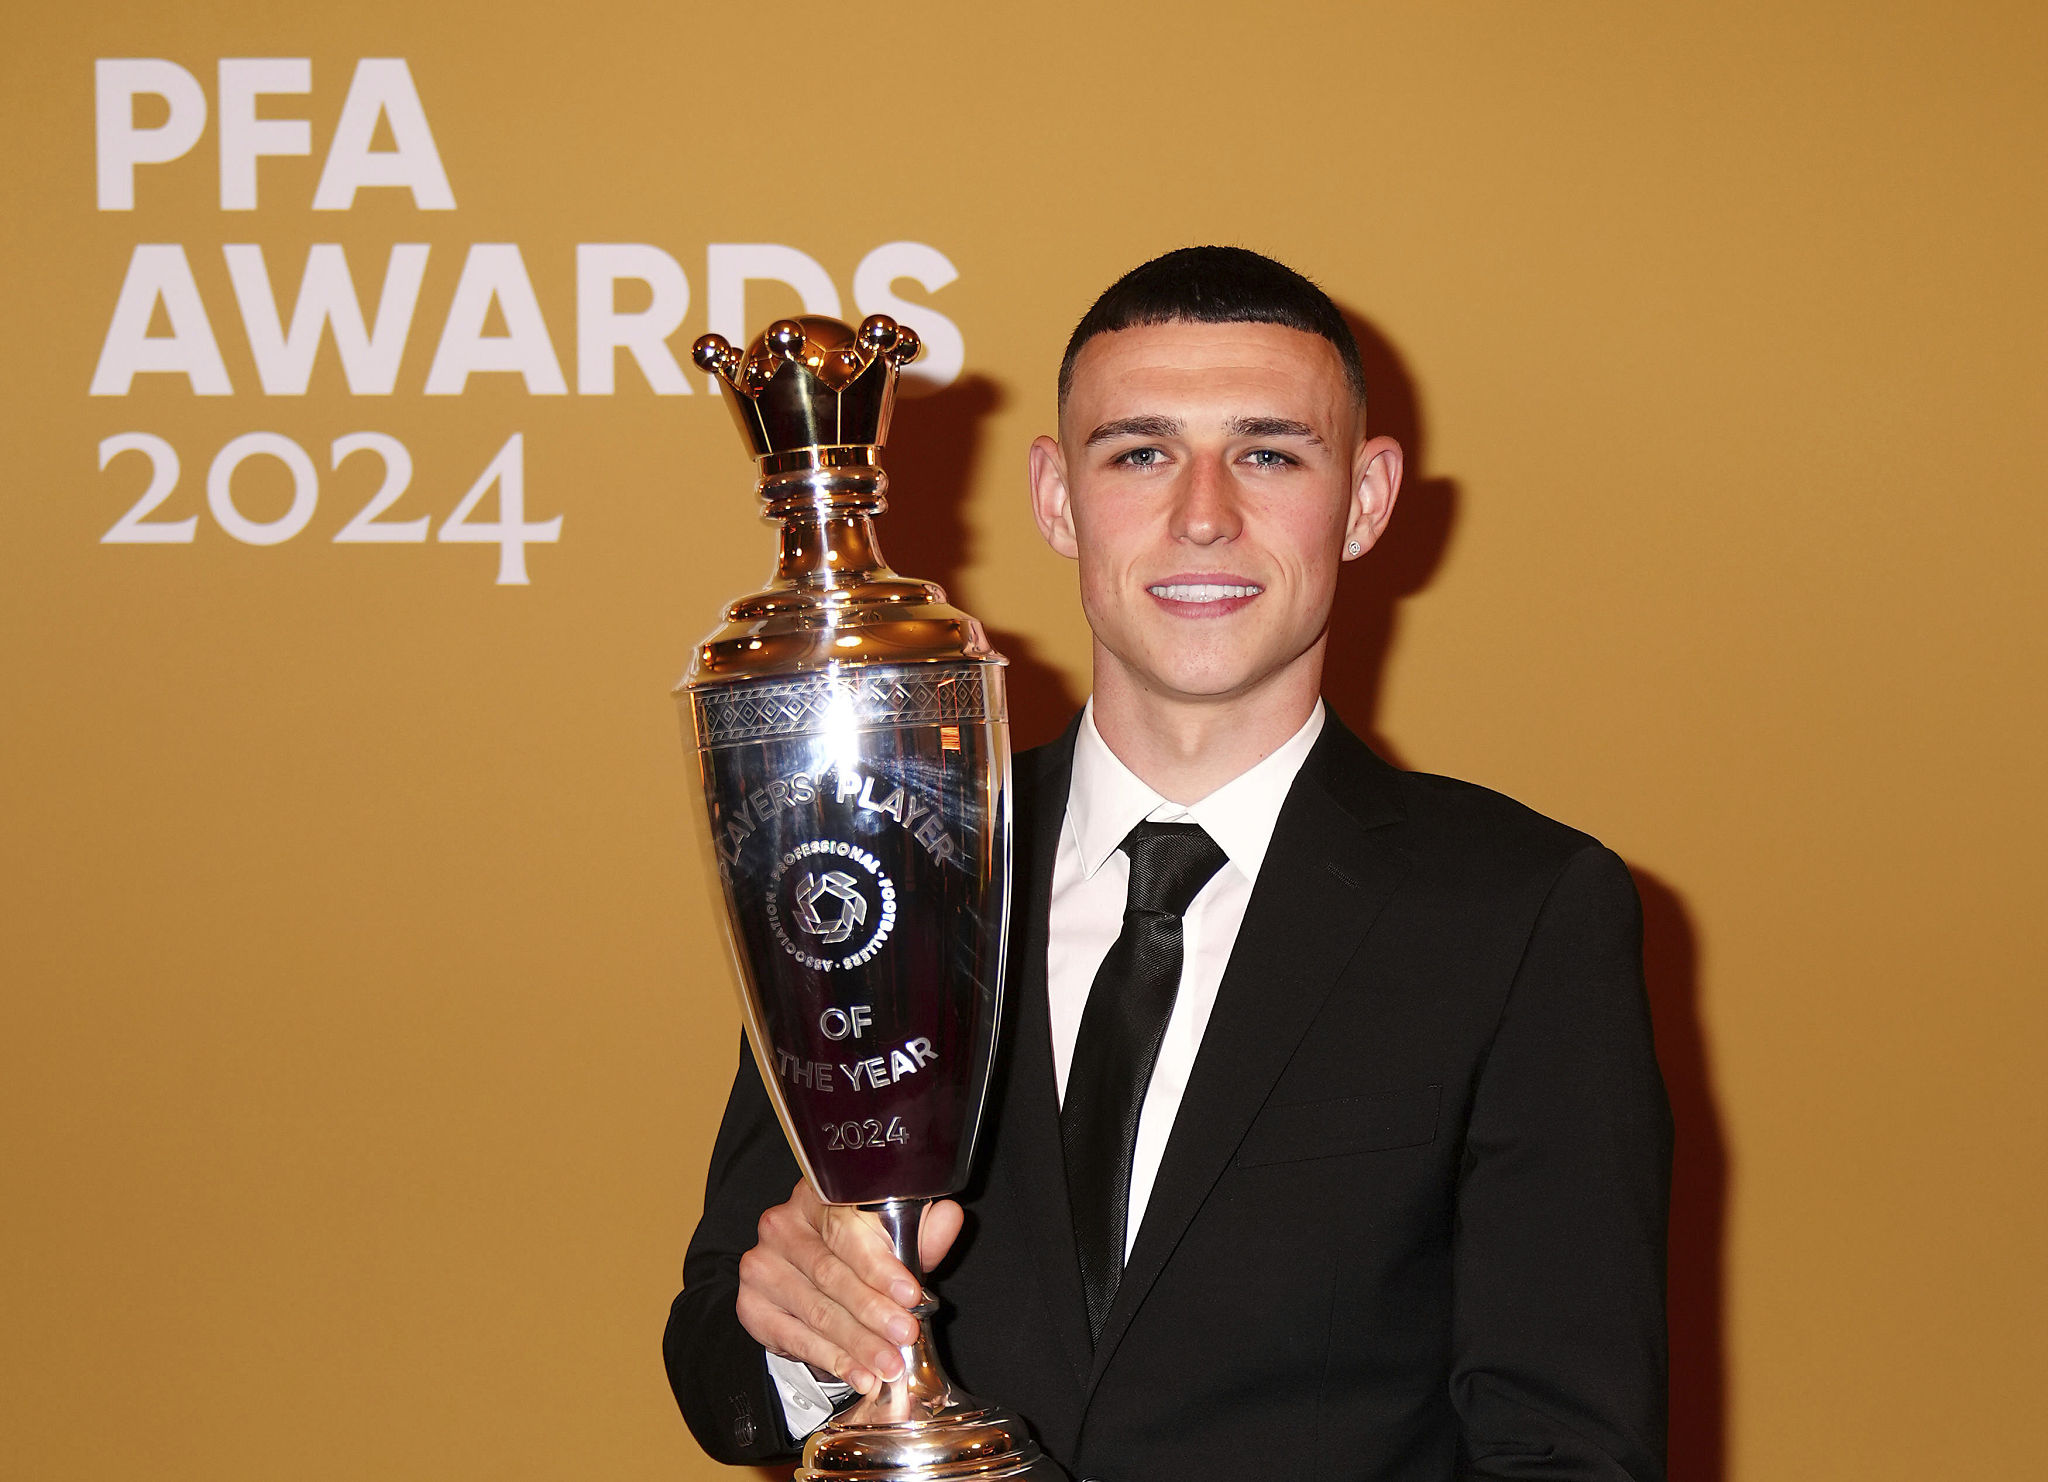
(758, 805)
(851, 1137)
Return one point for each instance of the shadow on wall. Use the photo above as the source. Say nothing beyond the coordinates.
(1699, 1188)
(934, 442)
(1363, 627)
(1409, 552)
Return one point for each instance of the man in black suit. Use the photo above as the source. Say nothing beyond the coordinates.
(1329, 1140)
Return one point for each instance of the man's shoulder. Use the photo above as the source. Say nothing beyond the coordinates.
(1469, 809)
(1446, 823)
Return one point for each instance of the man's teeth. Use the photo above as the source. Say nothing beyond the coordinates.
(1207, 591)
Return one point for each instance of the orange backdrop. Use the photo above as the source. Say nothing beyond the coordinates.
(366, 1025)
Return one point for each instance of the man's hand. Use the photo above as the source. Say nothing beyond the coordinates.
(823, 1287)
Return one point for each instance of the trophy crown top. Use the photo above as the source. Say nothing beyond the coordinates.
(811, 382)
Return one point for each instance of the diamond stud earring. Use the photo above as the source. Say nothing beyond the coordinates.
(1353, 548)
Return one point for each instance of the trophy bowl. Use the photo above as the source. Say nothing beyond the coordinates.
(853, 740)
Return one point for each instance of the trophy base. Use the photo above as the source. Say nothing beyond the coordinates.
(968, 1440)
(918, 1427)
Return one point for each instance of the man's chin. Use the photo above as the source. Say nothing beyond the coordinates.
(1204, 687)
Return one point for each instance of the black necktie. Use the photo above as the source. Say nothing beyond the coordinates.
(1128, 1006)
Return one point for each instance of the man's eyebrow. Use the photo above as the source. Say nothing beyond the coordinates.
(1272, 427)
(1149, 426)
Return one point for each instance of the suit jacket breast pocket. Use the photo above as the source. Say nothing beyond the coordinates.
(1347, 1124)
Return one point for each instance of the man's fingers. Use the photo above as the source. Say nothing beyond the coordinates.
(858, 1239)
(779, 1332)
(847, 1286)
(821, 1265)
(784, 1309)
(942, 1221)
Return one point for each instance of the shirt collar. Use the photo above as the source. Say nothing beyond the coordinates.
(1106, 799)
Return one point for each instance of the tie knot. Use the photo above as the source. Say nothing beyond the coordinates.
(1170, 863)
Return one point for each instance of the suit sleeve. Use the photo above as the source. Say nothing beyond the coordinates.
(1559, 1354)
(718, 1372)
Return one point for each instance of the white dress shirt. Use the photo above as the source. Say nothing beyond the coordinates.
(1090, 882)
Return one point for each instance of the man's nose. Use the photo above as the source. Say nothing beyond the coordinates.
(1207, 509)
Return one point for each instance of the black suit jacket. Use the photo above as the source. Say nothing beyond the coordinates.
(1409, 1224)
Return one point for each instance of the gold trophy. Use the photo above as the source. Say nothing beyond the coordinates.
(854, 744)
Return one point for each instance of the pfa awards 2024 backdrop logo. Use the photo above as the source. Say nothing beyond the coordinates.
(827, 893)
(554, 326)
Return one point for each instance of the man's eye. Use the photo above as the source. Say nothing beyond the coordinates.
(1139, 458)
(1269, 458)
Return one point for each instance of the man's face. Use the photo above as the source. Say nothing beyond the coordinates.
(1210, 478)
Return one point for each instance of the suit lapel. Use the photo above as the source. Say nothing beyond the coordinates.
(1328, 871)
(1029, 1133)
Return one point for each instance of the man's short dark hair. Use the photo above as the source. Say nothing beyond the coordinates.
(1215, 285)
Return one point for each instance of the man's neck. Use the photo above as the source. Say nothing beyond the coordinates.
(1184, 750)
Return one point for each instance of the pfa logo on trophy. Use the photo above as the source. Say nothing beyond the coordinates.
(852, 906)
(839, 894)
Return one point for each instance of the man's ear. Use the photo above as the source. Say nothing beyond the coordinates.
(1376, 484)
(1050, 504)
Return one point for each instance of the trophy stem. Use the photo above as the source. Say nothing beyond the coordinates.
(902, 1219)
(922, 1392)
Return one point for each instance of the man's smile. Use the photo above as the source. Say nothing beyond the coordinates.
(1206, 594)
